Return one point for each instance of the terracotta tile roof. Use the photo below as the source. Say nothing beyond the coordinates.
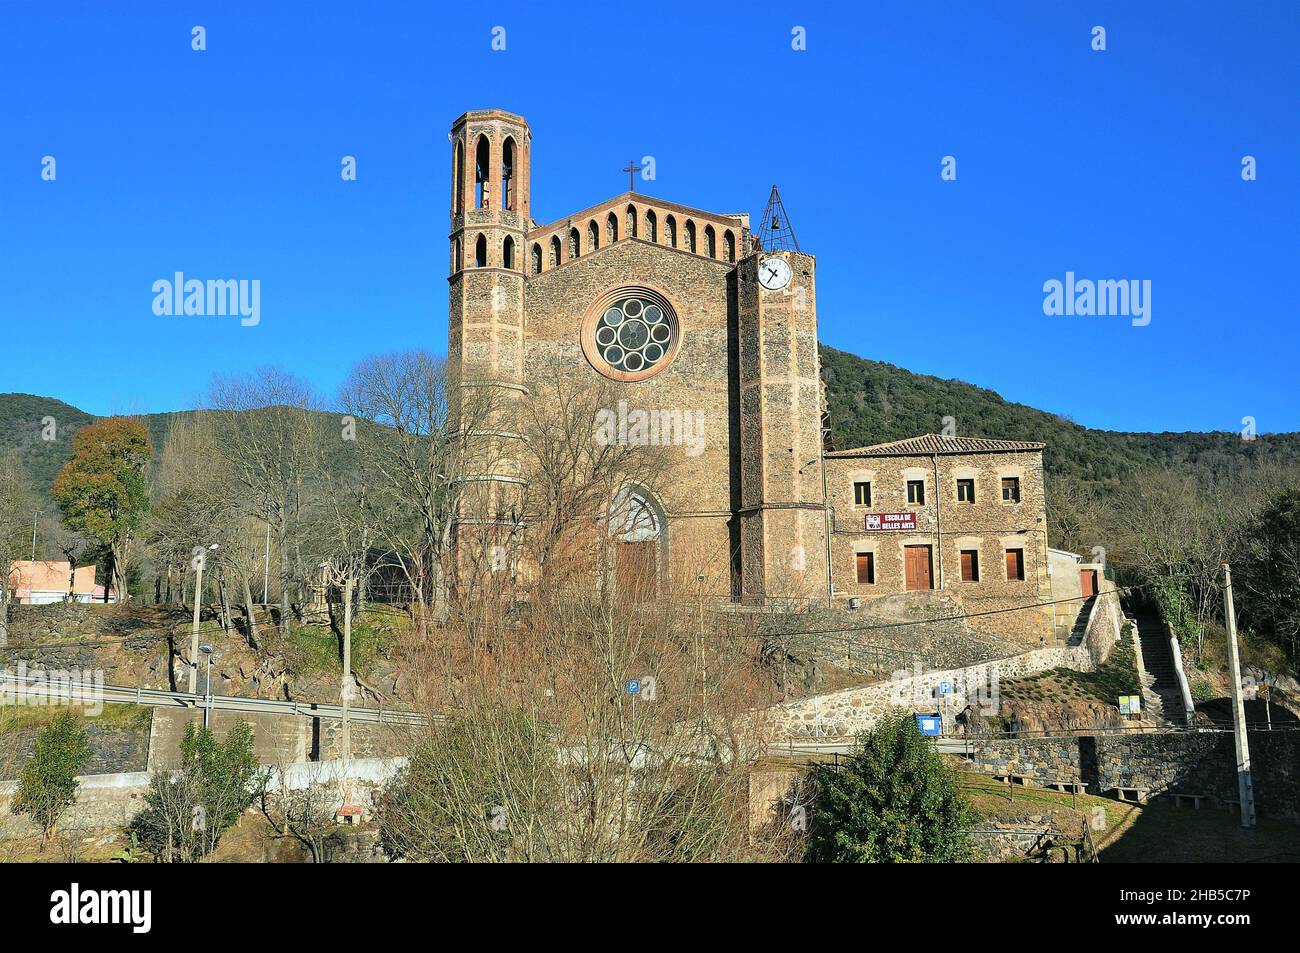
(931, 443)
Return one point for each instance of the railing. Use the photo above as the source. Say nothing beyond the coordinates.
(82, 692)
(1176, 654)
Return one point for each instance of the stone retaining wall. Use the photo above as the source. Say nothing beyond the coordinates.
(1190, 763)
(853, 710)
(848, 712)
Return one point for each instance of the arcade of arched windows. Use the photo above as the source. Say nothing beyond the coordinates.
(575, 239)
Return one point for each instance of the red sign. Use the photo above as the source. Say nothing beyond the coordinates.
(881, 521)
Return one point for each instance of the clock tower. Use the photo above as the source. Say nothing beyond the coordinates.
(783, 526)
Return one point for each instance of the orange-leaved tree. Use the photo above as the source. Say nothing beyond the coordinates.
(102, 490)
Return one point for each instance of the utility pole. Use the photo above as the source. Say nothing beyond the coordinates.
(1245, 786)
(194, 631)
(35, 516)
(202, 557)
(346, 744)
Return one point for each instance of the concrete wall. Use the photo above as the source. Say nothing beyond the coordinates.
(277, 739)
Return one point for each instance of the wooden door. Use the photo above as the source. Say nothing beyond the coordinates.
(1088, 582)
(917, 564)
(636, 571)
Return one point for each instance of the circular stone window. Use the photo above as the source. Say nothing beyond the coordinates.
(630, 334)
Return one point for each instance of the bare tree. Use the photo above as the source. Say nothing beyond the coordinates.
(548, 755)
(271, 433)
(413, 461)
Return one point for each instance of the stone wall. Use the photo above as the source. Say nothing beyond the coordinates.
(104, 802)
(369, 740)
(845, 713)
(1192, 763)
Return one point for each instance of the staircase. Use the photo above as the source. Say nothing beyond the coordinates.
(1081, 622)
(1160, 684)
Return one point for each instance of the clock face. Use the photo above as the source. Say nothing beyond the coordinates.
(773, 273)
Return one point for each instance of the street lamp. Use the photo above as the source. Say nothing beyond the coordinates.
(200, 558)
(209, 651)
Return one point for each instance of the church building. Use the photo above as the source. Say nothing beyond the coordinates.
(692, 320)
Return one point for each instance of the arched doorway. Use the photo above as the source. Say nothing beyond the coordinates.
(639, 534)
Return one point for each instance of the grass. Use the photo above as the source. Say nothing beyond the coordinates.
(1116, 676)
(115, 716)
(317, 650)
(1134, 833)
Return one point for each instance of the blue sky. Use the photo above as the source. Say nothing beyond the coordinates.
(1122, 164)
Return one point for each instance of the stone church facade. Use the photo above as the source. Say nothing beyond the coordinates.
(690, 320)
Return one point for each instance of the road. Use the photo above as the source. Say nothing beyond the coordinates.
(32, 689)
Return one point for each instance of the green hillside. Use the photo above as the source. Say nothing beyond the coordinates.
(869, 402)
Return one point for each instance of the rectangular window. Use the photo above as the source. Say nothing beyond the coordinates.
(916, 492)
(970, 565)
(1015, 564)
(965, 491)
(862, 494)
(1011, 489)
(866, 563)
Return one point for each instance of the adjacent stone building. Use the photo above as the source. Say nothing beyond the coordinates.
(962, 515)
(710, 341)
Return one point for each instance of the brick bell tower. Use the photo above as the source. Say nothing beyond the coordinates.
(783, 525)
(485, 347)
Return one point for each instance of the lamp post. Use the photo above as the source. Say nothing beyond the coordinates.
(200, 557)
(209, 651)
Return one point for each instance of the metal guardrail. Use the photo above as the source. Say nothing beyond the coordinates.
(159, 698)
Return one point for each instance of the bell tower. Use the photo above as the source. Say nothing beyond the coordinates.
(485, 347)
(783, 515)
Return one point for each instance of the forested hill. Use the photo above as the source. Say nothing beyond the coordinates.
(869, 402)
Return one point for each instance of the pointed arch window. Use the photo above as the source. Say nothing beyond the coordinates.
(631, 221)
(593, 237)
(710, 242)
(537, 258)
(729, 246)
(480, 252)
(458, 182)
(611, 229)
(575, 244)
(508, 253)
(651, 226)
(670, 231)
(555, 250)
(482, 173)
(690, 236)
(508, 174)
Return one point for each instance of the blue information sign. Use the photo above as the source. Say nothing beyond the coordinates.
(928, 724)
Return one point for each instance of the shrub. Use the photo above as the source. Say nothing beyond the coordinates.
(48, 783)
(894, 801)
(187, 811)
